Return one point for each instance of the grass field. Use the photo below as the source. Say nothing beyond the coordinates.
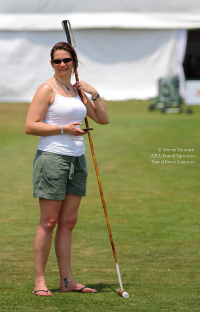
(153, 208)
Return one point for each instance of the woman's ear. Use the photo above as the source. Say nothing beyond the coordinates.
(52, 64)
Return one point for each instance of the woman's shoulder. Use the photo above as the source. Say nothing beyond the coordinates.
(46, 88)
(45, 91)
(47, 85)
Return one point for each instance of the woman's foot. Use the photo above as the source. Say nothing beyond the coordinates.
(41, 289)
(41, 292)
(67, 286)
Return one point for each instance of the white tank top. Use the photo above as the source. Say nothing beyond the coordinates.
(63, 111)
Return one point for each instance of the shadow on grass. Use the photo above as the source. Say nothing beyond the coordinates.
(101, 287)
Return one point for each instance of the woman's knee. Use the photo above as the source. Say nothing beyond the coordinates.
(49, 213)
(68, 223)
(49, 223)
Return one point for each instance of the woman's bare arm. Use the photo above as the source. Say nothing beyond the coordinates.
(39, 105)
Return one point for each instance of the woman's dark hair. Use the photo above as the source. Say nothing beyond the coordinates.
(67, 47)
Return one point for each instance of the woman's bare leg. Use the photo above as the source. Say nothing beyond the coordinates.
(49, 210)
(66, 221)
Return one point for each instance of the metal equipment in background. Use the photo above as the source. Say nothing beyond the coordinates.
(169, 99)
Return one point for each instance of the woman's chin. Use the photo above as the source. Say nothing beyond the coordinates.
(63, 72)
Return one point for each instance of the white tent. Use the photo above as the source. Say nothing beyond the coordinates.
(124, 47)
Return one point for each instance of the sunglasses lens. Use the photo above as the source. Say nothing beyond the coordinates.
(67, 60)
(57, 61)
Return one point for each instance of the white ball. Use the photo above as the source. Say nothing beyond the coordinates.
(125, 294)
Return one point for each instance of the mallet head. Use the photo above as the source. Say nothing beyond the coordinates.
(122, 293)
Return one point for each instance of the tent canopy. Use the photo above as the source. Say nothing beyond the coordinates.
(100, 6)
(39, 15)
(124, 46)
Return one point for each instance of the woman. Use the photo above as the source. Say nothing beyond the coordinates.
(59, 171)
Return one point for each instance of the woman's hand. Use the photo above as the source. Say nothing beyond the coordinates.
(95, 110)
(73, 130)
(84, 86)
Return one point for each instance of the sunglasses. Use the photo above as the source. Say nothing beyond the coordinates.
(65, 60)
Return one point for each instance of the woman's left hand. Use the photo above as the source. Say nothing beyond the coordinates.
(84, 86)
(96, 111)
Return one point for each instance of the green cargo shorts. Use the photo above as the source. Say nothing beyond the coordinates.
(55, 175)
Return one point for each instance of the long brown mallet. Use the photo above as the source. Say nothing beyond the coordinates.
(70, 38)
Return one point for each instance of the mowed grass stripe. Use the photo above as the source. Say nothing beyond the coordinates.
(153, 209)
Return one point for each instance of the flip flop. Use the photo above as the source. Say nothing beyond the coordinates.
(85, 292)
(80, 290)
(34, 292)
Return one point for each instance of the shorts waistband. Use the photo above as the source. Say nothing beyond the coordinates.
(40, 152)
